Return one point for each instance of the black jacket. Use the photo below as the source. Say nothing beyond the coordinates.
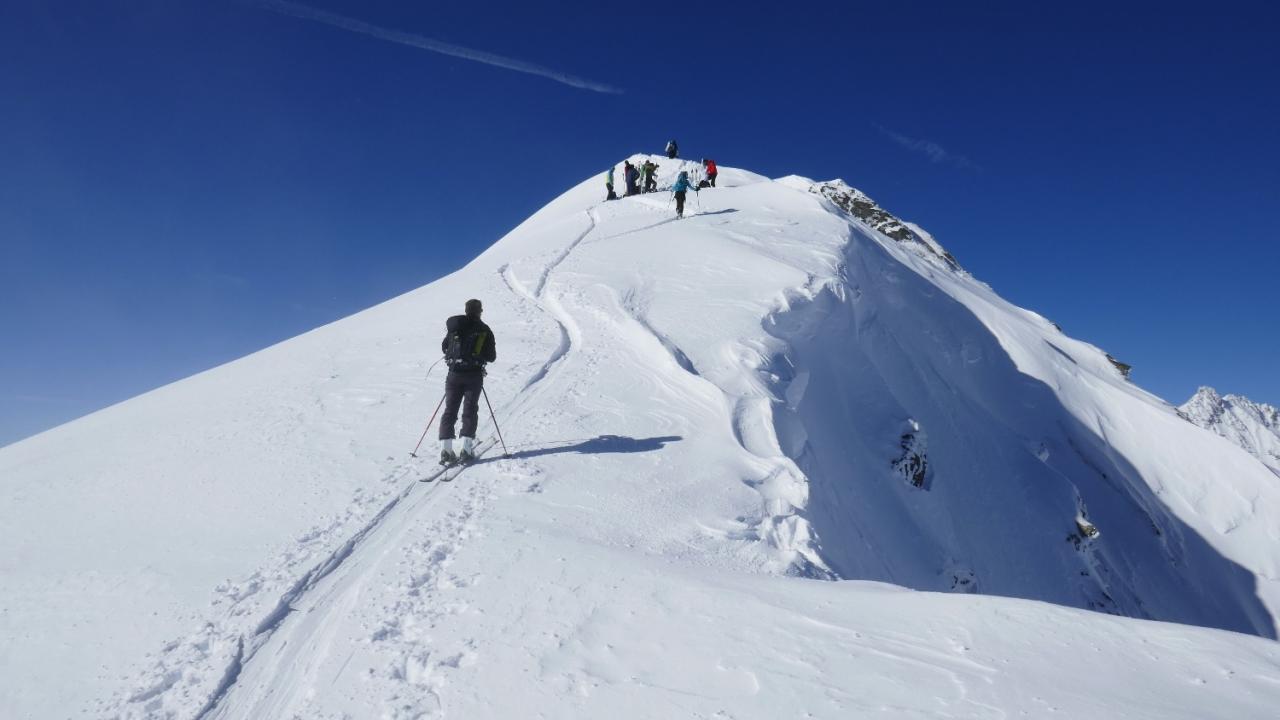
(466, 325)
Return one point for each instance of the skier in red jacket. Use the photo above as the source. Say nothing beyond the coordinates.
(710, 165)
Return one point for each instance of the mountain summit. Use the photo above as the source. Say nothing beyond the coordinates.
(1255, 427)
(781, 458)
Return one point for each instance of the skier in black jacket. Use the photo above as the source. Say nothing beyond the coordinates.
(468, 346)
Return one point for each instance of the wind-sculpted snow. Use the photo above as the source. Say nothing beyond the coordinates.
(719, 428)
(1010, 465)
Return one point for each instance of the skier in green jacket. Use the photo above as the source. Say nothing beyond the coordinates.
(649, 172)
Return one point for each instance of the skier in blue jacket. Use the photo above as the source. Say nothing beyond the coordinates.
(680, 188)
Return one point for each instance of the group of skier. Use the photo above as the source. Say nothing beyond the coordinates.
(638, 180)
(643, 179)
(469, 345)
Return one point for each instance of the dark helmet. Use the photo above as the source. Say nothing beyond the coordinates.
(473, 308)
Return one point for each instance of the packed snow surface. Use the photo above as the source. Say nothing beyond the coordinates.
(781, 458)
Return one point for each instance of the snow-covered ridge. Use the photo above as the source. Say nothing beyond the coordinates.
(699, 411)
(861, 206)
(925, 375)
(1255, 427)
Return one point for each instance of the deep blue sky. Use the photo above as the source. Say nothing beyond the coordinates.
(182, 183)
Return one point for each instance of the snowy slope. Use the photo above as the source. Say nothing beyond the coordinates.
(1255, 427)
(709, 419)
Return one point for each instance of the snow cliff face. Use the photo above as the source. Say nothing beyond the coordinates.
(1255, 427)
(951, 441)
(705, 416)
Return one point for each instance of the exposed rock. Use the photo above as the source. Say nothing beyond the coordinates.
(913, 464)
(858, 204)
(1124, 368)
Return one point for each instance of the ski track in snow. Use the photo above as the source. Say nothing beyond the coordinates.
(546, 272)
(388, 531)
(272, 686)
(568, 329)
(388, 523)
(327, 587)
(219, 647)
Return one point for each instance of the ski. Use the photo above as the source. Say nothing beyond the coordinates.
(446, 473)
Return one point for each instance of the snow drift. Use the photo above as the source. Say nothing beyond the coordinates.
(716, 425)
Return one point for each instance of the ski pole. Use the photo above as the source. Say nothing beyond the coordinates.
(428, 427)
(433, 367)
(505, 452)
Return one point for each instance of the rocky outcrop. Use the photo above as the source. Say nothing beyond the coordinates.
(858, 204)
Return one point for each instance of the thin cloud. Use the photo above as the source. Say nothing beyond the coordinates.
(935, 152)
(40, 399)
(292, 9)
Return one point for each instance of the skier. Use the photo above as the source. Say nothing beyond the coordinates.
(632, 177)
(710, 165)
(649, 172)
(467, 346)
(608, 183)
(672, 150)
(681, 186)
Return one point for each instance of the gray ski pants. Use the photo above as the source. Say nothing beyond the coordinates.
(461, 388)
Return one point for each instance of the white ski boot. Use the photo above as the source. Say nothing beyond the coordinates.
(447, 456)
(468, 453)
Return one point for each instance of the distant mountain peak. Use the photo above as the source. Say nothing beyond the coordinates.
(1253, 426)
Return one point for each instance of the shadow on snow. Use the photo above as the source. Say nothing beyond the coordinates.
(599, 445)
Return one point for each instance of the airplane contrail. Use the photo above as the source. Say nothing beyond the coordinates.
(284, 7)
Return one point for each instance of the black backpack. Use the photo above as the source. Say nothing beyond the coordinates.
(464, 347)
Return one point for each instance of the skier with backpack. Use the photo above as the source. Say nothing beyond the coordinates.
(682, 185)
(468, 346)
(710, 165)
(672, 150)
(648, 171)
(632, 177)
(608, 183)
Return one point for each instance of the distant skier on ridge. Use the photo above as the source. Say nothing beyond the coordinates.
(632, 177)
(468, 346)
(710, 165)
(648, 171)
(673, 150)
(682, 185)
(608, 183)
